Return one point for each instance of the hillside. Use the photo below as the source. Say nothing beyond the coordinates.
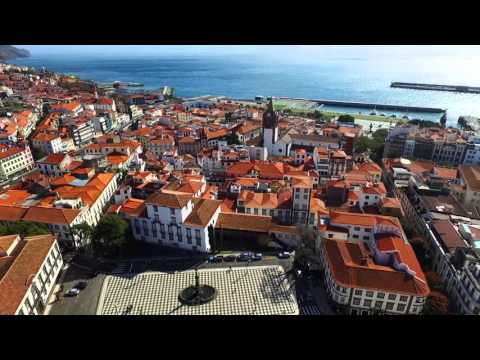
(8, 52)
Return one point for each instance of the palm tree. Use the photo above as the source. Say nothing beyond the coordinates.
(84, 233)
(305, 249)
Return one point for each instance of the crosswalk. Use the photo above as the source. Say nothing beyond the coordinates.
(310, 309)
(122, 268)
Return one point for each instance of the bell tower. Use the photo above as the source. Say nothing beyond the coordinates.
(270, 127)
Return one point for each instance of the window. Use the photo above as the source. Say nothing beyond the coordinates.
(368, 230)
(264, 212)
(389, 306)
(172, 212)
(381, 295)
(401, 307)
(198, 242)
(255, 211)
(403, 298)
(356, 301)
(366, 237)
(358, 292)
(378, 304)
(392, 297)
(356, 228)
(369, 293)
(367, 302)
(367, 197)
(330, 236)
(355, 236)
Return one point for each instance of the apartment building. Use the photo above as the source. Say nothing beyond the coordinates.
(48, 143)
(30, 268)
(15, 160)
(369, 265)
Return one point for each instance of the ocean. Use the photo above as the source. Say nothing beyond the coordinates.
(244, 77)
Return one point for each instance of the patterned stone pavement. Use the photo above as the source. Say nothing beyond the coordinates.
(253, 290)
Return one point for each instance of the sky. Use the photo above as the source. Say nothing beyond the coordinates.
(281, 52)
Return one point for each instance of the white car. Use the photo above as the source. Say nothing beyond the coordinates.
(72, 292)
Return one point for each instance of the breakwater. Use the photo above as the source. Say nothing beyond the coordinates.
(436, 87)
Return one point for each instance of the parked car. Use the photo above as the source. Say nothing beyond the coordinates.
(283, 255)
(80, 285)
(257, 257)
(215, 259)
(230, 258)
(72, 292)
(244, 257)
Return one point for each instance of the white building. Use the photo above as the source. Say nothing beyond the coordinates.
(32, 268)
(15, 160)
(177, 221)
(270, 128)
(83, 133)
(48, 143)
(369, 265)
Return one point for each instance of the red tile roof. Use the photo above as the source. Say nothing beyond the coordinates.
(16, 281)
(168, 200)
(352, 265)
(50, 215)
(53, 159)
(11, 213)
(202, 212)
(242, 222)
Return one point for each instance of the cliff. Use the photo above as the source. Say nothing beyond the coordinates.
(8, 52)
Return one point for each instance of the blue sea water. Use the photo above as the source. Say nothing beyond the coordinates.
(243, 77)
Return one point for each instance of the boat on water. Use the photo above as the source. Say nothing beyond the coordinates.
(374, 112)
(405, 117)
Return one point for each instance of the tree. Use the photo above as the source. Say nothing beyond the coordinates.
(424, 123)
(24, 228)
(436, 304)
(434, 281)
(83, 232)
(305, 249)
(362, 144)
(443, 120)
(110, 235)
(346, 118)
(38, 154)
(380, 135)
(232, 139)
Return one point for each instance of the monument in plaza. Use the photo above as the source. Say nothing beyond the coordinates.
(197, 294)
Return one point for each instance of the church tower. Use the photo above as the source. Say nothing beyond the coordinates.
(270, 127)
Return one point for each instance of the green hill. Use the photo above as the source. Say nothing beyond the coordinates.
(8, 52)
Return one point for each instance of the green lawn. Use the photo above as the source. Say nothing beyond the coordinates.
(296, 108)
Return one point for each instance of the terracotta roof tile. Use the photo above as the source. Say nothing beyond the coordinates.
(202, 212)
(242, 222)
(49, 215)
(168, 200)
(16, 281)
(352, 265)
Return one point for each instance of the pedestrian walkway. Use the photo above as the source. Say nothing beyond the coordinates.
(310, 309)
